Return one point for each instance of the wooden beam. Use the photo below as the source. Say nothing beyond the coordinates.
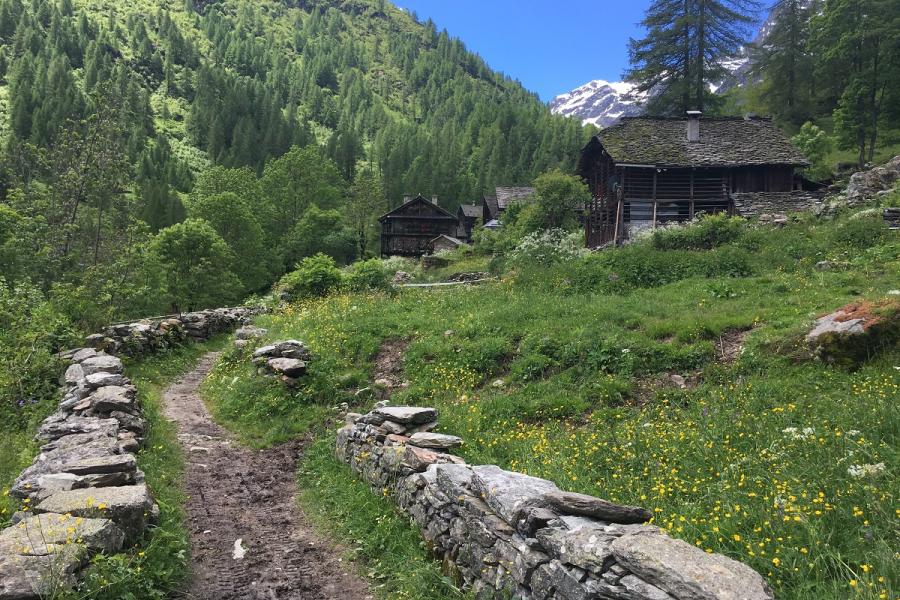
(691, 214)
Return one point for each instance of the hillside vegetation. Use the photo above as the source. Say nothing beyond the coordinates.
(160, 156)
(565, 371)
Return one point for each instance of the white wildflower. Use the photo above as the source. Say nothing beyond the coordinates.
(796, 434)
(861, 471)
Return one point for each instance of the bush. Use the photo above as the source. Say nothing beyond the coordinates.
(32, 332)
(367, 275)
(545, 248)
(859, 234)
(314, 276)
(710, 232)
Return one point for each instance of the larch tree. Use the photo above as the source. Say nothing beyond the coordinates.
(858, 44)
(784, 63)
(684, 49)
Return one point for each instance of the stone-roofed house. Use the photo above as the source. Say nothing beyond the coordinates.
(468, 215)
(408, 229)
(494, 205)
(645, 171)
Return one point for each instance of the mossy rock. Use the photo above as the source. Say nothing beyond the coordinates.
(856, 333)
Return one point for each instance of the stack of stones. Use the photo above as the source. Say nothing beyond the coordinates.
(506, 534)
(892, 217)
(84, 493)
(286, 360)
(246, 334)
(157, 335)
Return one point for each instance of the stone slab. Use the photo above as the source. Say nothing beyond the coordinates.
(687, 572)
(407, 415)
(128, 507)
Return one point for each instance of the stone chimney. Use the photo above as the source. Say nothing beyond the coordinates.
(434, 200)
(406, 198)
(693, 125)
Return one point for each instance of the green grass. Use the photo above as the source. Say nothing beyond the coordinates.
(754, 462)
(390, 547)
(155, 567)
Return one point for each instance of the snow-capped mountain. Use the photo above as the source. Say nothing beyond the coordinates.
(602, 103)
(599, 102)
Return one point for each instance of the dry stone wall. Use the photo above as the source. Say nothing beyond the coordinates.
(85, 493)
(506, 534)
(755, 204)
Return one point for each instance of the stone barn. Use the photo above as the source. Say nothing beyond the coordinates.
(408, 229)
(646, 171)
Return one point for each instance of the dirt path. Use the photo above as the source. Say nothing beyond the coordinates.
(238, 493)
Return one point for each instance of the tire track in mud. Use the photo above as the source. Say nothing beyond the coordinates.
(236, 493)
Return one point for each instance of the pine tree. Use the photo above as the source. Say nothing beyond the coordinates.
(682, 53)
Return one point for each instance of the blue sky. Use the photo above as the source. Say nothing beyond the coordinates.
(550, 46)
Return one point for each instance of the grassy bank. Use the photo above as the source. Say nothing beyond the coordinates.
(262, 413)
(390, 548)
(154, 568)
(564, 372)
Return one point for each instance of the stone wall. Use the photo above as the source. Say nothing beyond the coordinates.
(84, 493)
(754, 204)
(506, 534)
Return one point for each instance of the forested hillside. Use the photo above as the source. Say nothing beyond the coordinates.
(121, 120)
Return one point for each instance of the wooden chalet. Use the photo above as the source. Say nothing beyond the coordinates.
(467, 215)
(494, 205)
(645, 171)
(408, 229)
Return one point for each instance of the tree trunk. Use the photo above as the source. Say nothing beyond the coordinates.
(701, 51)
(873, 102)
(686, 94)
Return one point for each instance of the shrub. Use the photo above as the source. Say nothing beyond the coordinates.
(545, 248)
(314, 276)
(816, 145)
(710, 232)
(859, 234)
(370, 274)
(32, 332)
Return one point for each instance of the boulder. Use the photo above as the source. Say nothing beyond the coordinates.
(866, 184)
(291, 367)
(855, 332)
(407, 415)
(102, 362)
(510, 494)
(687, 572)
(129, 507)
(40, 534)
(569, 503)
(437, 441)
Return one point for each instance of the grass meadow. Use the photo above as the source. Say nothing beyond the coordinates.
(564, 372)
